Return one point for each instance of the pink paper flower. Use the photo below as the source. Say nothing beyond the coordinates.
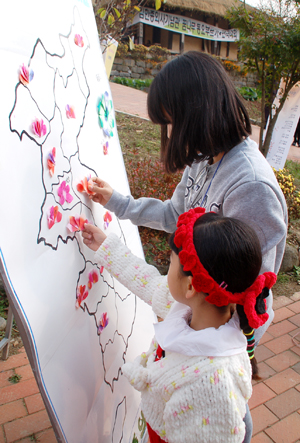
(93, 278)
(103, 322)
(51, 161)
(53, 216)
(78, 40)
(107, 219)
(39, 128)
(64, 193)
(25, 75)
(76, 223)
(81, 295)
(70, 113)
(105, 148)
(83, 185)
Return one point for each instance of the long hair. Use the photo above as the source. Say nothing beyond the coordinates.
(196, 95)
(231, 252)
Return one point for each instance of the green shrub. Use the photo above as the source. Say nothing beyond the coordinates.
(292, 195)
(136, 83)
(248, 93)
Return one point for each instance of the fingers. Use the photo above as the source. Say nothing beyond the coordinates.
(98, 181)
(89, 230)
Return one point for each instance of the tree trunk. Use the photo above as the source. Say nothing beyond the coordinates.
(263, 103)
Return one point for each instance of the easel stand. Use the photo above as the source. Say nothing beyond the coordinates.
(4, 343)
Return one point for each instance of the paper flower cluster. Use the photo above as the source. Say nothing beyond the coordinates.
(39, 128)
(83, 185)
(53, 216)
(105, 148)
(78, 40)
(107, 219)
(93, 278)
(103, 322)
(105, 113)
(70, 113)
(76, 223)
(25, 75)
(51, 161)
(81, 295)
(64, 193)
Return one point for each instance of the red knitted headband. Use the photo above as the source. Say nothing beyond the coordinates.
(203, 282)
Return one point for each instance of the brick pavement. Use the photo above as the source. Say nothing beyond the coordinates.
(275, 402)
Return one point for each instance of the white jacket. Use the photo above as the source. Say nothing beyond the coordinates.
(198, 392)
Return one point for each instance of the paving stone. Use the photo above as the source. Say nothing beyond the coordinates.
(2, 435)
(265, 371)
(283, 381)
(11, 411)
(296, 350)
(14, 361)
(281, 328)
(25, 372)
(4, 376)
(295, 296)
(283, 361)
(281, 301)
(18, 390)
(260, 394)
(34, 403)
(262, 418)
(266, 337)
(47, 437)
(295, 307)
(262, 353)
(296, 320)
(285, 403)
(282, 314)
(280, 344)
(261, 438)
(286, 430)
(25, 426)
(296, 367)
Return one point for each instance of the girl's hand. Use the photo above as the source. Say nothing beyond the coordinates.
(102, 190)
(93, 237)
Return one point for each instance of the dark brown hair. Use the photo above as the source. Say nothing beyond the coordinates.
(230, 251)
(207, 113)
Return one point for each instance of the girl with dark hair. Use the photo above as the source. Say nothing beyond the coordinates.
(195, 380)
(205, 129)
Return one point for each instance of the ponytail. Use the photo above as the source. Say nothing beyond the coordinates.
(260, 308)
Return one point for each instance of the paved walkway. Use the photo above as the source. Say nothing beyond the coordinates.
(275, 403)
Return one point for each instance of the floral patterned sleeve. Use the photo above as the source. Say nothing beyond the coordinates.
(142, 279)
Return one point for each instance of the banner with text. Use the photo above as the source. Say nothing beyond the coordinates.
(285, 127)
(185, 25)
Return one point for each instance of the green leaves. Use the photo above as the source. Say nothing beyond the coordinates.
(270, 45)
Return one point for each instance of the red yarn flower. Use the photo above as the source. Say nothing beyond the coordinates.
(203, 282)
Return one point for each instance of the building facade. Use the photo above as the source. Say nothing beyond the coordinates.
(185, 25)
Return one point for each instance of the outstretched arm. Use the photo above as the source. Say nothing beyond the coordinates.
(140, 278)
(150, 212)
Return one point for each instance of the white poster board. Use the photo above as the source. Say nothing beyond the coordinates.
(283, 133)
(53, 88)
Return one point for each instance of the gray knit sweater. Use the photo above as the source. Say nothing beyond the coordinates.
(243, 187)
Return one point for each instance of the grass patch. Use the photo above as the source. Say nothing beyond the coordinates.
(3, 304)
(294, 169)
(139, 138)
(15, 378)
(282, 278)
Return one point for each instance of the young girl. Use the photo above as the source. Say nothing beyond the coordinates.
(195, 380)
